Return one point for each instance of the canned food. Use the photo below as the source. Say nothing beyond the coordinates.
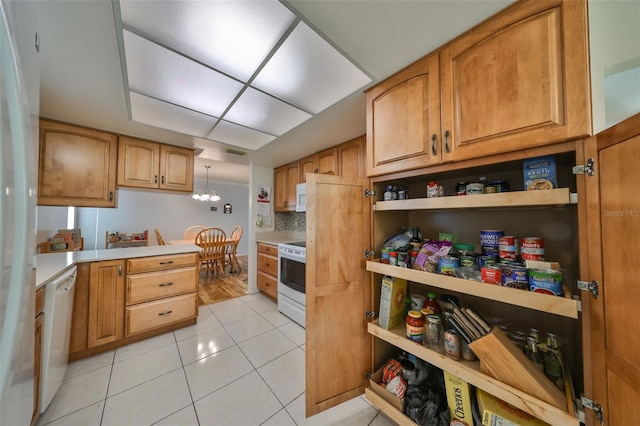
(468, 262)
(435, 190)
(545, 281)
(448, 264)
(393, 258)
(532, 248)
(490, 190)
(487, 261)
(461, 188)
(491, 275)
(403, 259)
(515, 277)
(509, 247)
(490, 238)
(475, 188)
(500, 185)
(384, 256)
(452, 344)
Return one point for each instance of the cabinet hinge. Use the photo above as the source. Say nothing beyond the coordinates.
(369, 193)
(593, 405)
(369, 253)
(368, 376)
(581, 169)
(370, 315)
(589, 286)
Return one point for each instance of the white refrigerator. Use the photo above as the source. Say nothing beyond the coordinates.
(17, 211)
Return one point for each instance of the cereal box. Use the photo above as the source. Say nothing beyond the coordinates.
(392, 295)
(540, 173)
(458, 398)
(495, 411)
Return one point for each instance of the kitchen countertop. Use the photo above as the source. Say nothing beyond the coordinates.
(50, 265)
(279, 237)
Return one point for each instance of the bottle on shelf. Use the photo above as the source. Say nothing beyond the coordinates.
(431, 305)
(416, 242)
(533, 354)
(553, 364)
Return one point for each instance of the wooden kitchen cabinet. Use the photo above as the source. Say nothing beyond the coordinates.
(106, 303)
(37, 359)
(77, 166)
(518, 80)
(268, 269)
(285, 180)
(160, 291)
(351, 158)
(324, 162)
(152, 165)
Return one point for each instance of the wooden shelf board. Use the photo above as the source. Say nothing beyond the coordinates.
(550, 197)
(389, 410)
(564, 306)
(469, 371)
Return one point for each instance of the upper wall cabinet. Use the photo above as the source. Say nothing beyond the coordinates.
(324, 162)
(285, 180)
(145, 164)
(77, 166)
(351, 158)
(516, 81)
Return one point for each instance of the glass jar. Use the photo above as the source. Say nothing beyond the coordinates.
(415, 326)
(434, 334)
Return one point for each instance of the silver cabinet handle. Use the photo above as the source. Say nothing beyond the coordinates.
(167, 263)
(446, 141)
(165, 285)
(434, 151)
(119, 270)
(161, 314)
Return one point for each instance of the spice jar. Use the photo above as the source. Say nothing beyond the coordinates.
(393, 258)
(434, 334)
(415, 326)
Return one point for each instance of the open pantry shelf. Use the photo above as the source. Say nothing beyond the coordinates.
(564, 306)
(549, 197)
(389, 410)
(469, 371)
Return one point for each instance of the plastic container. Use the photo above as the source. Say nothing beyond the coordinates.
(431, 304)
(462, 249)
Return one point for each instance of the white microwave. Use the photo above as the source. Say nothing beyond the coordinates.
(301, 197)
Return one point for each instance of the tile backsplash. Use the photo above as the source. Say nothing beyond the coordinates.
(291, 221)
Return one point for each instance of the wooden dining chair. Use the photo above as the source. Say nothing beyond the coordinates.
(236, 234)
(159, 238)
(213, 242)
(191, 232)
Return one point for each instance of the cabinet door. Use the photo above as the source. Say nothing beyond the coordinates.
(351, 158)
(138, 162)
(612, 350)
(37, 366)
(106, 302)
(280, 189)
(338, 291)
(308, 165)
(328, 161)
(176, 168)
(293, 178)
(517, 81)
(403, 119)
(77, 166)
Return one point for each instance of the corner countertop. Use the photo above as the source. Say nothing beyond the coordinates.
(50, 265)
(278, 237)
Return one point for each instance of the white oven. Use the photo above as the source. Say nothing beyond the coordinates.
(292, 259)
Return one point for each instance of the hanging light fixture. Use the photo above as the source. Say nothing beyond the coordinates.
(206, 195)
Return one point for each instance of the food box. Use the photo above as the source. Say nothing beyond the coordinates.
(392, 296)
(458, 398)
(495, 411)
(378, 387)
(540, 173)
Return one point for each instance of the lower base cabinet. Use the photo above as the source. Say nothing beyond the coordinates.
(268, 269)
(118, 302)
(37, 359)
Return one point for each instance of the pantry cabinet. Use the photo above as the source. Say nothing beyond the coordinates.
(516, 81)
(77, 166)
(285, 180)
(152, 165)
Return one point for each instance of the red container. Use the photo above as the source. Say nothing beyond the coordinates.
(509, 247)
(491, 275)
(532, 248)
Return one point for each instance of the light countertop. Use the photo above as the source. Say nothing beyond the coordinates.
(279, 237)
(50, 265)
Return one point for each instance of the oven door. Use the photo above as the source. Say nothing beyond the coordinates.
(291, 273)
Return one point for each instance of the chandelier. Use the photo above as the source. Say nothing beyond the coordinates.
(206, 195)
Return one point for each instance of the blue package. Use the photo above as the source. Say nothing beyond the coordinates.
(540, 173)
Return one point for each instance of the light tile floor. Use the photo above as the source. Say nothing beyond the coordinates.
(241, 364)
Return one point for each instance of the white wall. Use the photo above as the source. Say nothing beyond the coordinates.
(258, 177)
(139, 210)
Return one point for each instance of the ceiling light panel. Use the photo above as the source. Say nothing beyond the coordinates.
(262, 112)
(236, 135)
(308, 72)
(164, 74)
(153, 112)
(232, 36)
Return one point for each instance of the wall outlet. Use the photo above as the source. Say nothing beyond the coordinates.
(214, 209)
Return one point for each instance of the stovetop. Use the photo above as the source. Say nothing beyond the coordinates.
(297, 244)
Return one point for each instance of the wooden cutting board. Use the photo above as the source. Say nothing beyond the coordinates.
(502, 359)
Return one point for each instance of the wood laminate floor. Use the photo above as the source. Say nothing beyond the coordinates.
(214, 288)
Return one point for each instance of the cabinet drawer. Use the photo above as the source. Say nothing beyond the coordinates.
(268, 264)
(268, 249)
(268, 285)
(156, 285)
(158, 263)
(150, 315)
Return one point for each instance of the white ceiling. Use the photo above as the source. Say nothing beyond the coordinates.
(82, 79)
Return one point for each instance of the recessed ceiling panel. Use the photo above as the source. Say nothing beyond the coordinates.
(231, 36)
(307, 71)
(265, 113)
(167, 116)
(236, 135)
(163, 74)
